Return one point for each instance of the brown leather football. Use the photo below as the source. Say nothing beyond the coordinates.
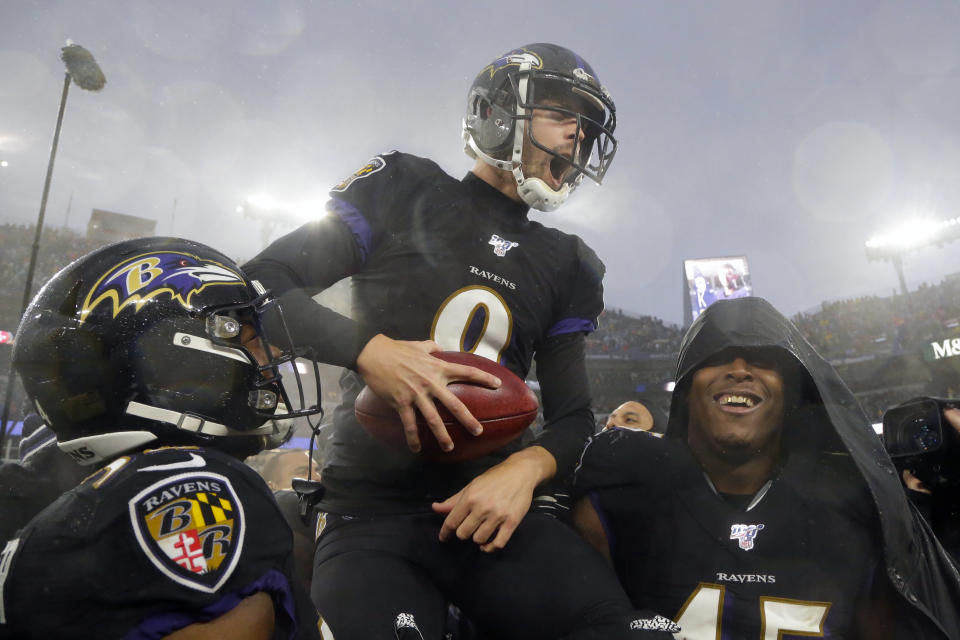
(504, 413)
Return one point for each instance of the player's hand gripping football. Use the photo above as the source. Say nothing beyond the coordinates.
(490, 508)
(405, 374)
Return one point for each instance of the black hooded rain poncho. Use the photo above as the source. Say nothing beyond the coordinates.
(828, 428)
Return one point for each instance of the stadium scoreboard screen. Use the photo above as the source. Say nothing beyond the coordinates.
(707, 280)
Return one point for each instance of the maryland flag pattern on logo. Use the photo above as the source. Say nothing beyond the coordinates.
(191, 527)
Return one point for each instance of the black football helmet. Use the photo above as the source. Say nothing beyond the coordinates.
(540, 76)
(153, 341)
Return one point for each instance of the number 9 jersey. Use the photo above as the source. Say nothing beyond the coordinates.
(432, 257)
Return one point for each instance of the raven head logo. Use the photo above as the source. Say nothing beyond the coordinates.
(515, 58)
(137, 280)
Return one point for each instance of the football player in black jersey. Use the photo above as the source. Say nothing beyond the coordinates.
(770, 508)
(148, 361)
(444, 264)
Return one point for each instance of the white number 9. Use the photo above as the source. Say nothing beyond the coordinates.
(459, 311)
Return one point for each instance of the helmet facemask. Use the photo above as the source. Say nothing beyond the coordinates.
(254, 386)
(594, 115)
(498, 126)
(258, 329)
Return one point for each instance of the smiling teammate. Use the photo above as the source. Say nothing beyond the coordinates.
(440, 263)
(769, 509)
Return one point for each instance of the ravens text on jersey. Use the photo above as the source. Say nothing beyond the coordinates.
(433, 257)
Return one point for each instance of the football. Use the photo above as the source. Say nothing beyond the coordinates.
(504, 413)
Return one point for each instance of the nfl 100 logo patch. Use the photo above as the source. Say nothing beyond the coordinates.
(745, 534)
(191, 527)
(502, 245)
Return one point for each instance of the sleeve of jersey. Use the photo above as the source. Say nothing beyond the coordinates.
(231, 543)
(613, 457)
(362, 210)
(584, 297)
(298, 266)
(565, 390)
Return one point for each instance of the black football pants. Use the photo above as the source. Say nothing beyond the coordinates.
(546, 583)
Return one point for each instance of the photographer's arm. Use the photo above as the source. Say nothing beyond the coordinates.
(953, 417)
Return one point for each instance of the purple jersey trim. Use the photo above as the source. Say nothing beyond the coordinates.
(572, 325)
(39, 439)
(352, 217)
(273, 582)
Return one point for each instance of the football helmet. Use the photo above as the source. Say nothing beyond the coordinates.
(159, 341)
(540, 76)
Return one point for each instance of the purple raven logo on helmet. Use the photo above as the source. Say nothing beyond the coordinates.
(149, 275)
(515, 58)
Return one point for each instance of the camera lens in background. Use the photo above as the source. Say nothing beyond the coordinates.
(927, 438)
(912, 428)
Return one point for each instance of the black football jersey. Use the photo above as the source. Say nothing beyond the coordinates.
(797, 560)
(23, 493)
(461, 263)
(148, 544)
(433, 257)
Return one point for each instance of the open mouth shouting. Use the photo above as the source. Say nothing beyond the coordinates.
(560, 171)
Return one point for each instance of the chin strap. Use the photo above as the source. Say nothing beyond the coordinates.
(471, 149)
(89, 450)
(533, 191)
(194, 423)
(538, 195)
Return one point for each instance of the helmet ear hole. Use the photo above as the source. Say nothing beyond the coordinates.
(481, 107)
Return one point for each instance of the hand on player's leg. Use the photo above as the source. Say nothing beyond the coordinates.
(490, 508)
(405, 375)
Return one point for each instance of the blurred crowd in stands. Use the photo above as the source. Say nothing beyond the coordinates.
(59, 247)
(633, 337)
(869, 330)
(629, 353)
(841, 329)
(875, 325)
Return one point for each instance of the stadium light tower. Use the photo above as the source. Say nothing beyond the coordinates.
(911, 235)
(83, 70)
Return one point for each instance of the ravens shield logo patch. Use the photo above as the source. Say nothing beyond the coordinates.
(191, 526)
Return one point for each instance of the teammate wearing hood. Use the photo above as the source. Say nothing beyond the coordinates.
(770, 509)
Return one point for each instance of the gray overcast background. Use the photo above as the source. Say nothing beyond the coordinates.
(788, 131)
